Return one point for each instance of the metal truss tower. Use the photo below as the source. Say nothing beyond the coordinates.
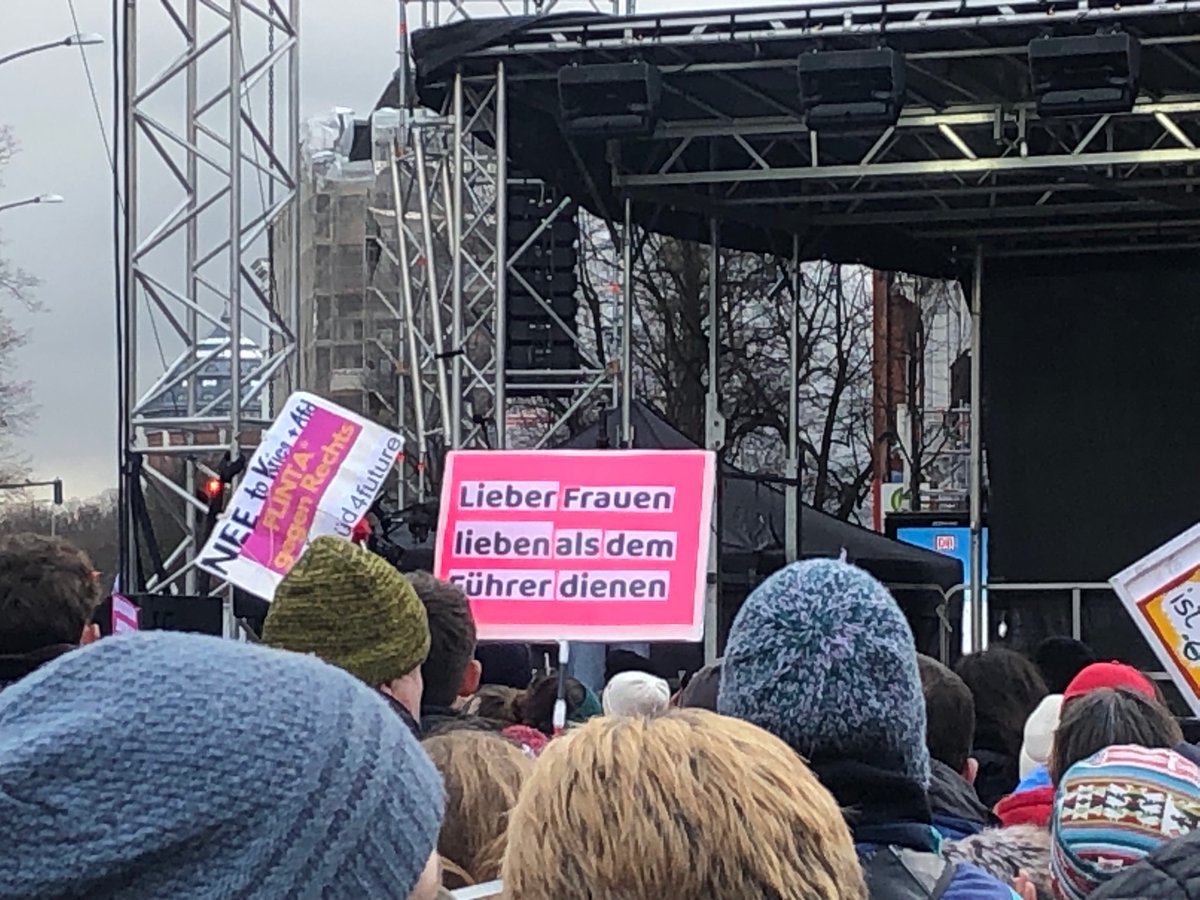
(443, 234)
(208, 127)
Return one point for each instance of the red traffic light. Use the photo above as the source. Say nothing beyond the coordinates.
(214, 488)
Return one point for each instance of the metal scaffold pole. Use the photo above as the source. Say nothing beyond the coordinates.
(978, 618)
(191, 288)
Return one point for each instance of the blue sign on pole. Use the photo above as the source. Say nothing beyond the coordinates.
(955, 542)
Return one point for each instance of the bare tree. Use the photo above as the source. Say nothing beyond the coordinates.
(16, 399)
(755, 305)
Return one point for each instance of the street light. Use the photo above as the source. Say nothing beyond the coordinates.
(41, 198)
(71, 40)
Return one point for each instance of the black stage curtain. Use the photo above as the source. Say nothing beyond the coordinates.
(1091, 370)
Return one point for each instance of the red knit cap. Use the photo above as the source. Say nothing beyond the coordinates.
(1109, 675)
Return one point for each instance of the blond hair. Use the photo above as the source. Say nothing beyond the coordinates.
(483, 773)
(688, 805)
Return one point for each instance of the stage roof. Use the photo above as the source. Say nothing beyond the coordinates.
(969, 163)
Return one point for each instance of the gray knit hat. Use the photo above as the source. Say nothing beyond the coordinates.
(170, 765)
(821, 656)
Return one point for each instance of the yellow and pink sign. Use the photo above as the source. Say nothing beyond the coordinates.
(603, 545)
(1162, 594)
(316, 471)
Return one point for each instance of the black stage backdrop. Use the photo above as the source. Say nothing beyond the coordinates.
(1091, 370)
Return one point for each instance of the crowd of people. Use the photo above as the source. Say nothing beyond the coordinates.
(369, 747)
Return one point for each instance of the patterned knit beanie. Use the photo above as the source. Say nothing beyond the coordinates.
(1115, 808)
(821, 656)
(351, 608)
(209, 769)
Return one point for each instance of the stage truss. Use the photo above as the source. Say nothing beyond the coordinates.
(209, 116)
(969, 167)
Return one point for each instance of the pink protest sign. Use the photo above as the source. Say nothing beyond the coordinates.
(602, 545)
(125, 615)
(316, 471)
(304, 474)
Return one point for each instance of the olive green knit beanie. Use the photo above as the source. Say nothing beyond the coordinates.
(352, 609)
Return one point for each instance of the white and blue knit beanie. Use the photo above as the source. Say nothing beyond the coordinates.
(169, 765)
(821, 656)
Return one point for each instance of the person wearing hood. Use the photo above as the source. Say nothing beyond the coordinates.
(48, 595)
(949, 732)
(821, 656)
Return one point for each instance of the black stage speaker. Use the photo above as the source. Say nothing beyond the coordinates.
(547, 267)
(610, 100)
(1088, 75)
(851, 89)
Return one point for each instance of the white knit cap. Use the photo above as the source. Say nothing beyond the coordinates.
(1039, 734)
(636, 694)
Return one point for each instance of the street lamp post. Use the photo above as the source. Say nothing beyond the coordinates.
(41, 198)
(71, 40)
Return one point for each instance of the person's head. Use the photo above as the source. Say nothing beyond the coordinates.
(636, 694)
(1115, 808)
(495, 702)
(618, 661)
(821, 656)
(483, 773)
(702, 689)
(505, 664)
(215, 768)
(48, 594)
(1106, 717)
(717, 809)
(1060, 659)
(1007, 687)
(1108, 675)
(535, 706)
(949, 717)
(352, 609)
(451, 670)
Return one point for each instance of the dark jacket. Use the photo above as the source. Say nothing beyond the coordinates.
(998, 775)
(440, 719)
(1172, 872)
(15, 666)
(957, 812)
(888, 813)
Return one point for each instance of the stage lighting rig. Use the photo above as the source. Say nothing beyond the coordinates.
(1085, 75)
(851, 90)
(610, 99)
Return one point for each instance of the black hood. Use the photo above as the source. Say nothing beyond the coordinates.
(950, 797)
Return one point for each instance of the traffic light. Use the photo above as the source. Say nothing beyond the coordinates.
(58, 493)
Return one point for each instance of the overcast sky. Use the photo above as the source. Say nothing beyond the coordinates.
(347, 55)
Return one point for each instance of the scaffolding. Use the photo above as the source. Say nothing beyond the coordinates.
(208, 128)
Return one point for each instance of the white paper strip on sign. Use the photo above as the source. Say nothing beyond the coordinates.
(1162, 594)
(316, 471)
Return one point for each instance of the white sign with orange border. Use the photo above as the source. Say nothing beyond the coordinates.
(1161, 592)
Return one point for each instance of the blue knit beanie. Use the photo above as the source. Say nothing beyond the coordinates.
(171, 765)
(821, 656)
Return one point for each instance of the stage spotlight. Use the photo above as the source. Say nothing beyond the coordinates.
(610, 100)
(848, 90)
(1092, 74)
